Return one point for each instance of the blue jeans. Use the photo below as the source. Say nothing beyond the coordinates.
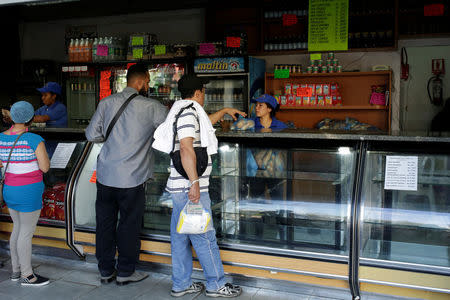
(205, 245)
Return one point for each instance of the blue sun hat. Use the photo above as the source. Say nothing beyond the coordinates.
(51, 87)
(22, 112)
(266, 99)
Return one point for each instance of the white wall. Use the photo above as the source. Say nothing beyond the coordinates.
(417, 111)
(45, 40)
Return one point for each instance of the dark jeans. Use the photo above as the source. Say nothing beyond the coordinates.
(123, 236)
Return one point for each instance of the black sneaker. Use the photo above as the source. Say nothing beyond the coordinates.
(227, 291)
(34, 280)
(108, 279)
(196, 287)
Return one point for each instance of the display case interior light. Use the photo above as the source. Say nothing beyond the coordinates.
(344, 150)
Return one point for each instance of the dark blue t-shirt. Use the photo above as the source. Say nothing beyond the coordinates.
(276, 124)
(57, 113)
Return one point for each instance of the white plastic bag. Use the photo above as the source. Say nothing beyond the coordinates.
(194, 219)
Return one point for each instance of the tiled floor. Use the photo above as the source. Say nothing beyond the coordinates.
(75, 279)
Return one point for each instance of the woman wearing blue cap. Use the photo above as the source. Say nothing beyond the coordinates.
(266, 106)
(24, 159)
(53, 113)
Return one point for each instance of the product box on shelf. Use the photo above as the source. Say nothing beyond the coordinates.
(309, 94)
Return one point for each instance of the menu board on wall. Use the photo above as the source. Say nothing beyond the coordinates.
(328, 25)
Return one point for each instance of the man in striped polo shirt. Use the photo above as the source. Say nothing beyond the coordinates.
(193, 127)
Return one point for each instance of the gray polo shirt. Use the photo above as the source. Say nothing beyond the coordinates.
(126, 158)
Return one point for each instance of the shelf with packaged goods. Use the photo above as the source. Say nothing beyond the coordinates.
(355, 107)
(355, 89)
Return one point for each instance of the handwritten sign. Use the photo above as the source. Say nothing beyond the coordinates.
(160, 49)
(401, 173)
(233, 42)
(281, 74)
(137, 41)
(62, 155)
(207, 49)
(289, 20)
(102, 50)
(138, 53)
(328, 25)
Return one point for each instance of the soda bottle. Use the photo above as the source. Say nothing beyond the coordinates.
(94, 50)
(71, 50)
(76, 50)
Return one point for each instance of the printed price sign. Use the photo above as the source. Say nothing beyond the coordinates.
(138, 53)
(433, 10)
(289, 20)
(102, 50)
(304, 92)
(281, 73)
(401, 173)
(137, 41)
(328, 25)
(207, 49)
(160, 49)
(233, 42)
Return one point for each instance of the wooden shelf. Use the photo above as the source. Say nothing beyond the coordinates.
(305, 51)
(341, 74)
(349, 107)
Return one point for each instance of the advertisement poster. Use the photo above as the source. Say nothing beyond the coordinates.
(219, 65)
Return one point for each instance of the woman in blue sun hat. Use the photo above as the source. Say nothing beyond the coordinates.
(266, 107)
(23, 188)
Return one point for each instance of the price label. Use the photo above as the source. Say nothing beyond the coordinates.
(316, 56)
(71, 68)
(137, 41)
(304, 92)
(207, 49)
(160, 49)
(433, 10)
(281, 74)
(233, 42)
(138, 53)
(65, 69)
(102, 50)
(289, 20)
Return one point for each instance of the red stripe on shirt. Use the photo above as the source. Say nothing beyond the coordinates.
(23, 179)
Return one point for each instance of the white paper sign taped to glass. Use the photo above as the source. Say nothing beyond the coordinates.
(401, 173)
(194, 219)
(62, 155)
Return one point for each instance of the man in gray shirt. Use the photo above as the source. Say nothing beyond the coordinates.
(124, 164)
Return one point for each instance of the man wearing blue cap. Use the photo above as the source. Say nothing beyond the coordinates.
(53, 113)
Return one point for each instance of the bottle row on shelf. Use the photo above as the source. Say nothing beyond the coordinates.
(292, 42)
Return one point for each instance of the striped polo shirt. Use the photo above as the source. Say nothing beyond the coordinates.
(187, 126)
(23, 167)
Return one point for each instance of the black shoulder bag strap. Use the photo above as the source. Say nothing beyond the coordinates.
(176, 121)
(116, 117)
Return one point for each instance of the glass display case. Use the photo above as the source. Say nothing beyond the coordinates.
(280, 198)
(300, 204)
(407, 225)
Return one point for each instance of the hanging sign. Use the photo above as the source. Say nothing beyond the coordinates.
(137, 41)
(207, 49)
(328, 25)
(138, 53)
(102, 50)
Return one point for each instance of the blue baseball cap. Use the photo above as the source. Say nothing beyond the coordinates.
(51, 87)
(267, 99)
(22, 112)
